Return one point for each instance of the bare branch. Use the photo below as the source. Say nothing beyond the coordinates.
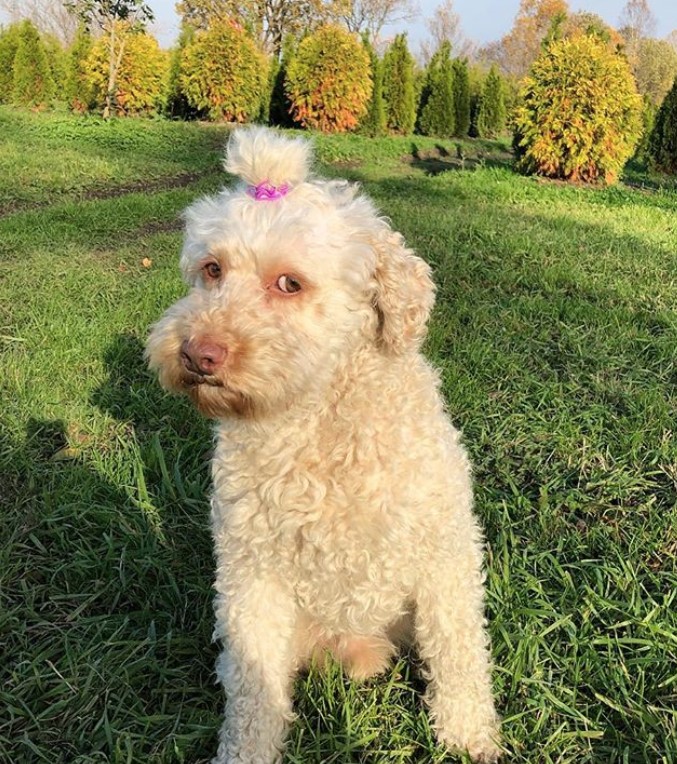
(371, 16)
(638, 20)
(445, 26)
(51, 17)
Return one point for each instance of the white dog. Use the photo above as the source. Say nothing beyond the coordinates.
(342, 503)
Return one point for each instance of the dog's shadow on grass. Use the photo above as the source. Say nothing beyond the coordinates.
(132, 394)
(107, 590)
(166, 446)
(108, 570)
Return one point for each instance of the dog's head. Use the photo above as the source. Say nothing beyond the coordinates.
(290, 276)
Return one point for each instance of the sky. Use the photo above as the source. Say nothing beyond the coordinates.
(481, 20)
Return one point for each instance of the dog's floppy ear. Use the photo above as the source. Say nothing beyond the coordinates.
(405, 294)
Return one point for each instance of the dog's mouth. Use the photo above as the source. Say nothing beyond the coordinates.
(215, 399)
(191, 379)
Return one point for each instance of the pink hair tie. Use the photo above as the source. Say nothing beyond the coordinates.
(264, 192)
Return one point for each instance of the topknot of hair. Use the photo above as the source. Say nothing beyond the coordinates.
(261, 155)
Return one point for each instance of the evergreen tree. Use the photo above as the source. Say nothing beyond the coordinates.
(491, 114)
(326, 81)
(224, 73)
(279, 111)
(663, 140)
(461, 98)
(398, 87)
(477, 75)
(78, 92)
(437, 112)
(141, 73)
(32, 83)
(110, 16)
(177, 105)
(57, 60)
(9, 42)
(374, 122)
(649, 112)
(580, 115)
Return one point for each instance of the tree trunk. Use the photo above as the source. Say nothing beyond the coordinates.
(110, 108)
(110, 91)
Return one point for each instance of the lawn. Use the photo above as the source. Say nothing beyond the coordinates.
(556, 332)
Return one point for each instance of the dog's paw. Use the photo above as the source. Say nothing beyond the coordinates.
(482, 748)
(487, 753)
(469, 727)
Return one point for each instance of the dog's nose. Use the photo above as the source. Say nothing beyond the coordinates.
(202, 356)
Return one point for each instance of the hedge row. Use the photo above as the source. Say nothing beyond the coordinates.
(331, 80)
(578, 116)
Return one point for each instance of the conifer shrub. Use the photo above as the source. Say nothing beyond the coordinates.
(663, 139)
(176, 102)
(9, 42)
(280, 108)
(141, 82)
(437, 108)
(477, 77)
(649, 111)
(398, 87)
(374, 121)
(223, 72)
(57, 61)
(461, 98)
(491, 111)
(32, 81)
(78, 91)
(580, 116)
(329, 81)
(274, 67)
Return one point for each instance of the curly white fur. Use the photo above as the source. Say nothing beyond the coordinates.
(342, 497)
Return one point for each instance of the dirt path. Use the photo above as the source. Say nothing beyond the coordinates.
(90, 194)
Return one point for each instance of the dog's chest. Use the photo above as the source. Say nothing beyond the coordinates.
(344, 568)
(329, 529)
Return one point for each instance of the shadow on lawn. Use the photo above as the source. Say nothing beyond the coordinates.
(132, 394)
(462, 157)
(107, 572)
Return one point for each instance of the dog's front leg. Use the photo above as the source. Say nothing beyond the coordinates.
(451, 637)
(254, 619)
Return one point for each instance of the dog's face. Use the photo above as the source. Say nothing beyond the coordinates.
(283, 293)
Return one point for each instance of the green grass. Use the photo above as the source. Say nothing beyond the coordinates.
(555, 329)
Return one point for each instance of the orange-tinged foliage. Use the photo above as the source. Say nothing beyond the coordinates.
(329, 81)
(580, 115)
(521, 46)
(141, 77)
(584, 22)
(224, 72)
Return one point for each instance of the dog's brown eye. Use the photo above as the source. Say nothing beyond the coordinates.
(288, 284)
(212, 270)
